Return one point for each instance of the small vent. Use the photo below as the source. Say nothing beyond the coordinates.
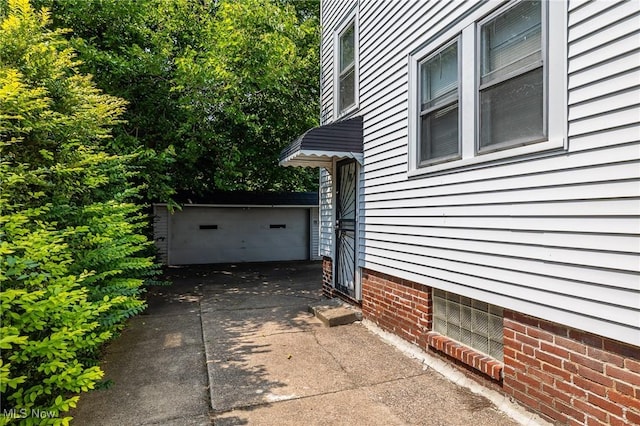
(208, 226)
(277, 226)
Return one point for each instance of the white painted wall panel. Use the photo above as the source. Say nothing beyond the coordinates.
(628, 99)
(556, 236)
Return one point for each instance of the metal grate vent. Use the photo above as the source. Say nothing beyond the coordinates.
(471, 322)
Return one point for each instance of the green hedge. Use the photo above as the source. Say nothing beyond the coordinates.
(73, 257)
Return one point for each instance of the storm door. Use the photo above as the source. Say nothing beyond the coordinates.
(346, 215)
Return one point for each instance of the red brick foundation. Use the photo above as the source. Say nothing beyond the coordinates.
(466, 355)
(404, 308)
(565, 375)
(327, 277)
(570, 376)
(399, 306)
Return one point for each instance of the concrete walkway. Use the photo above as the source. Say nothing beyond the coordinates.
(235, 345)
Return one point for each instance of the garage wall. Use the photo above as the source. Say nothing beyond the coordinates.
(161, 231)
(206, 234)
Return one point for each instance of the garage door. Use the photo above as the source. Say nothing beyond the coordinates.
(225, 235)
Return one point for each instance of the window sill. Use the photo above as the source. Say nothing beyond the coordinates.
(346, 112)
(505, 156)
(484, 363)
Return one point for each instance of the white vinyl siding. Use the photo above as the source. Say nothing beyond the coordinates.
(326, 213)
(335, 16)
(315, 234)
(553, 235)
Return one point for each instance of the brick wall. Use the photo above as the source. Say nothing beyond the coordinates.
(404, 308)
(399, 306)
(568, 375)
(327, 277)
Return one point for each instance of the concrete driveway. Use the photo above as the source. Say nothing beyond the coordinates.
(235, 345)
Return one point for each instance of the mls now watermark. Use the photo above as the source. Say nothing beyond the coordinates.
(23, 413)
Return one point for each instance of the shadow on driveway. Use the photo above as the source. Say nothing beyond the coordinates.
(235, 344)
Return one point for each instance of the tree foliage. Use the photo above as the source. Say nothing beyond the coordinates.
(215, 89)
(71, 253)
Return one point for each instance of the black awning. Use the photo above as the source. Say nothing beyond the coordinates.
(319, 146)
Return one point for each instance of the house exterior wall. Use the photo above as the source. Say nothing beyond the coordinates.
(553, 237)
(571, 376)
(332, 15)
(314, 231)
(508, 233)
(565, 374)
(326, 213)
(327, 277)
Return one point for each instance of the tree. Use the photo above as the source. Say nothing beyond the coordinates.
(251, 93)
(215, 89)
(72, 261)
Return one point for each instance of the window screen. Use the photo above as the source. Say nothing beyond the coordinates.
(439, 105)
(512, 77)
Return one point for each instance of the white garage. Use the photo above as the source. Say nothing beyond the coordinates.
(239, 227)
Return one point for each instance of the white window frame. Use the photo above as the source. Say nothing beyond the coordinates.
(468, 31)
(351, 19)
(456, 156)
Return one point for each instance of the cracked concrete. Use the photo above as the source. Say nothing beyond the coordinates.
(235, 345)
(272, 363)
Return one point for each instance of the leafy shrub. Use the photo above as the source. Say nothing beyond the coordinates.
(72, 254)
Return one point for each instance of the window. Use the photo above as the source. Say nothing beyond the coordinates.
(439, 105)
(346, 81)
(512, 77)
(489, 87)
(476, 324)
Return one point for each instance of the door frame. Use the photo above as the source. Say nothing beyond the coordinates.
(357, 288)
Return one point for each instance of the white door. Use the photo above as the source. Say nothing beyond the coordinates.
(225, 235)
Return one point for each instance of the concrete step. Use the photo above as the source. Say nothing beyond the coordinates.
(334, 312)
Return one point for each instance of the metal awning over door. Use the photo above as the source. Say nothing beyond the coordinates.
(319, 146)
